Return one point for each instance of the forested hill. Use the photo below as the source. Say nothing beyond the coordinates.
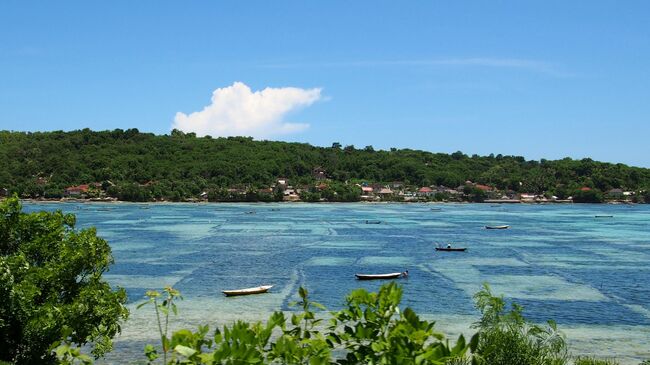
(181, 165)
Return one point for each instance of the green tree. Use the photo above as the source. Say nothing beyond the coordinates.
(51, 286)
(588, 196)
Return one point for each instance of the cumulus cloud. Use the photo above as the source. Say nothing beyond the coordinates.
(238, 111)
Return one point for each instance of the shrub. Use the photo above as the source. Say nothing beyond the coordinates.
(507, 338)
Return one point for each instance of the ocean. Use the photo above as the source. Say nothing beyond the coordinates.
(590, 274)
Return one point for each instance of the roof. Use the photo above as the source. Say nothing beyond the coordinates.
(585, 188)
(483, 187)
(81, 188)
(366, 189)
(385, 191)
(425, 189)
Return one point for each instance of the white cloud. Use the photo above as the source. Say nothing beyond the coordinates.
(237, 111)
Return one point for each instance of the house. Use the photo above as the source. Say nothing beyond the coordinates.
(385, 192)
(484, 188)
(585, 188)
(283, 181)
(426, 191)
(396, 184)
(290, 194)
(319, 173)
(4, 192)
(76, 191)
(367, 193)
(527, 197)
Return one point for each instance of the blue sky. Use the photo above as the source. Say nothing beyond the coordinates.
(543, 79)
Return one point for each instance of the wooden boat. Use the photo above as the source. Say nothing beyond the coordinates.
(497, 227)
(436, 209)
(393, 275)
(451, 249)
(373, 222)
(603, 216)
(248, 291)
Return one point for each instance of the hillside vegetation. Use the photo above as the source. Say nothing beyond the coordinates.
(141, 166)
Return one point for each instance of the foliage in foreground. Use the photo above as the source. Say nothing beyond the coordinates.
(506, 338)
(51, 287)
(370, 330)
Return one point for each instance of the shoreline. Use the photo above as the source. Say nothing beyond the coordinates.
(490, 202)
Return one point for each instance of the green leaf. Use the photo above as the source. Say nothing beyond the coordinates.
(184, 350)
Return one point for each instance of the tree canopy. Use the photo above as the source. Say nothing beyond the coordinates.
(51, 286)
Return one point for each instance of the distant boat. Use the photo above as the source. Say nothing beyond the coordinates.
(250, 212)
(497, 227)
(393, 275)
(603, 216)
(451, 249)
(373, 222)
(436, 209)
(248, 291)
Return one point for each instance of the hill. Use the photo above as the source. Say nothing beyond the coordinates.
(130, 165)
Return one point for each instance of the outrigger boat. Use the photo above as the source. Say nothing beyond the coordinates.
(497, 227)
(393, 275)
(373, 222)
(603, 216)
(248, 291)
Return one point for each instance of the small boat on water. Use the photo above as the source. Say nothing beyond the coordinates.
(392, 275)
(603, 216)
(451, 249)
(248, 291)
(497, 227)
(372, 222)
(436, 209)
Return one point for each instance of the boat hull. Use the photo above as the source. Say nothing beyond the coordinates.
(393, 275)
(497, 227)
(451, 249)
(247, 291)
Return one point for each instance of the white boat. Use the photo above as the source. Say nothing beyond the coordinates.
(248, 291)
(497, 227)
(393, 275)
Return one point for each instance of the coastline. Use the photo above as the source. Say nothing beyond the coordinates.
(491, 202)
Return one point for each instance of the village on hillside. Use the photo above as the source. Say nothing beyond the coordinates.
(324, 189)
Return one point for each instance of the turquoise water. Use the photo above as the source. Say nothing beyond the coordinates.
(560, 262)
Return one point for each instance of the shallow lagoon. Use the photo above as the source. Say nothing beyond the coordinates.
(589, 274)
